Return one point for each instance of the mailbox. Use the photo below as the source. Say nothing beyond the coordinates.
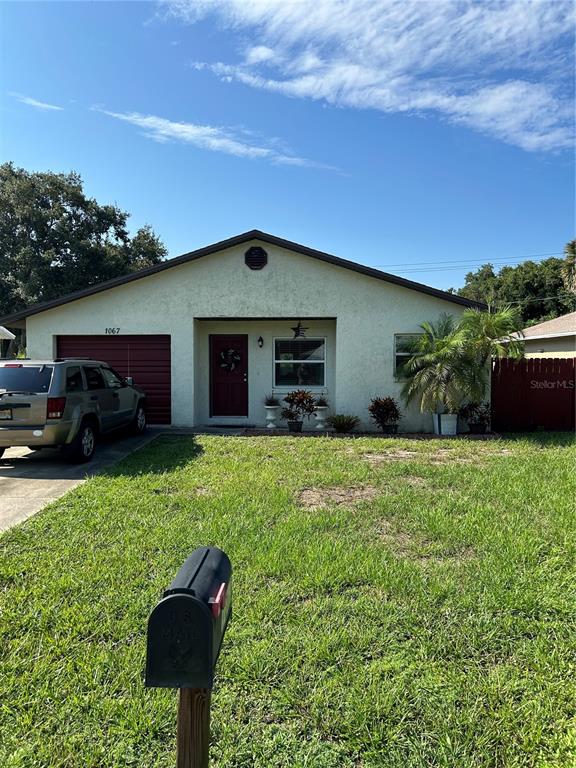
(186, 628)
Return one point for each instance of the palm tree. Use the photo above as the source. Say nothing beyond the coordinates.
(493, 334)
(450, 360)
(438, 373)
(486, 335)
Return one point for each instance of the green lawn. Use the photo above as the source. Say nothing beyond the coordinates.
(415, 606)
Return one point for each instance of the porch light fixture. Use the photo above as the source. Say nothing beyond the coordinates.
(260, 342)
(299, 330)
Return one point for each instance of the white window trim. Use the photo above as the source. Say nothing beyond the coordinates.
(290, 387)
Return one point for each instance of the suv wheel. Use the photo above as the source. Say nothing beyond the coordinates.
(139, 420)
(82, 448)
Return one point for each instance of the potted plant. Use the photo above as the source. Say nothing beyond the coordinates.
(271, 406)
(386, 413)
(300, 403)
(478, 417)
(320, 409)
(343, 422)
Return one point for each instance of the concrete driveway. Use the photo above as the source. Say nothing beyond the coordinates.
(31, 479)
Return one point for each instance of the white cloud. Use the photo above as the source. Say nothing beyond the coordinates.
(258, 54)
(35, 103)
(238, 142)
(502, 67)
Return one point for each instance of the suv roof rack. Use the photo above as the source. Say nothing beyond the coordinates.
(64, 359)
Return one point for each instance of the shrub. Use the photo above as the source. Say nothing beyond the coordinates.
(343, 422)
(475, 413)
(384, 411)
(271, 400)
(300, 403)
(321, 402)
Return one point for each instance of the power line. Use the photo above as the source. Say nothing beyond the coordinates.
(464, 262)
(538, 298)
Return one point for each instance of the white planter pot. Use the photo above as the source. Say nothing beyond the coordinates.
(320, 412)
(271, 415)
(445, 423)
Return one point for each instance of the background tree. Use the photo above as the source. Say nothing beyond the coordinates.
(569, 267)
(55, 240)
(539, 290)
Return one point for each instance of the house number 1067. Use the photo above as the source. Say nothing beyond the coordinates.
(112, 331)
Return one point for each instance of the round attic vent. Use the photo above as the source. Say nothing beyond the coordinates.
(256, 257)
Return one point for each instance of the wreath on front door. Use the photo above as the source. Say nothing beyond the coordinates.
(229, 359)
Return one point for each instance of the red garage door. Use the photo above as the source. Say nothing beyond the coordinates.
(145, 358)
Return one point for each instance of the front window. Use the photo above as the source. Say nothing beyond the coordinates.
(16, 377)
(403, 351)
(299, 362)
(94, 378)
(112, 379)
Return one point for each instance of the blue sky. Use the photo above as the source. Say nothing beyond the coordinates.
(421, 137)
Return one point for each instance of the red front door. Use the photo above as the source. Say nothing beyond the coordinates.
(228, 375)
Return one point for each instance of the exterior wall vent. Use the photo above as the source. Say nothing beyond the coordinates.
(256, 257)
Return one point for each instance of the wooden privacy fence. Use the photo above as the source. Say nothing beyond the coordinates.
(535, 393)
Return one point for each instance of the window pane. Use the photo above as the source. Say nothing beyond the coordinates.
(404, 341)
(401, 361)
(74, 380)
(299, 349)
(111, 379)
(299, 374)
(25, 378)
(94, 378)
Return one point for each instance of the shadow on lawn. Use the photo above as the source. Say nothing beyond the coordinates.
(542, 439)
(164, 454)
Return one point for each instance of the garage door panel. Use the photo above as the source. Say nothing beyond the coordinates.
(144, 357)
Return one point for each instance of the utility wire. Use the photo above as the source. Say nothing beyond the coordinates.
(472, 262)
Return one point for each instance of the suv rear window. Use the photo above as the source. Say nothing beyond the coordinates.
(74, 381)
(25, 378)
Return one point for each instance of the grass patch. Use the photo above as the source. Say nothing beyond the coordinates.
(423, 615)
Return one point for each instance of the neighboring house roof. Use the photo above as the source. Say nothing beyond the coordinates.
(253, 234)
(565, 325)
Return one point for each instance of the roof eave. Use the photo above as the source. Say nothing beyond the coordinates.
(253, 234)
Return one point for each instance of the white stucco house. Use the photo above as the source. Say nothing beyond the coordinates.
(210, 333)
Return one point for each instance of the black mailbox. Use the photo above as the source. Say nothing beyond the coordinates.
(186, 628)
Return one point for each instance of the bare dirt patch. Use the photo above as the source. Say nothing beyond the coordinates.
(440, 456)
(316, 498)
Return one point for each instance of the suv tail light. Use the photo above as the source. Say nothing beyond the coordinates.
(55, 407)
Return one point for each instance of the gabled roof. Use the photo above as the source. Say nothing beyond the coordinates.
(565, 325)
(253, 234)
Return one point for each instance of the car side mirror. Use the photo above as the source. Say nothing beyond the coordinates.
(129, 381)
